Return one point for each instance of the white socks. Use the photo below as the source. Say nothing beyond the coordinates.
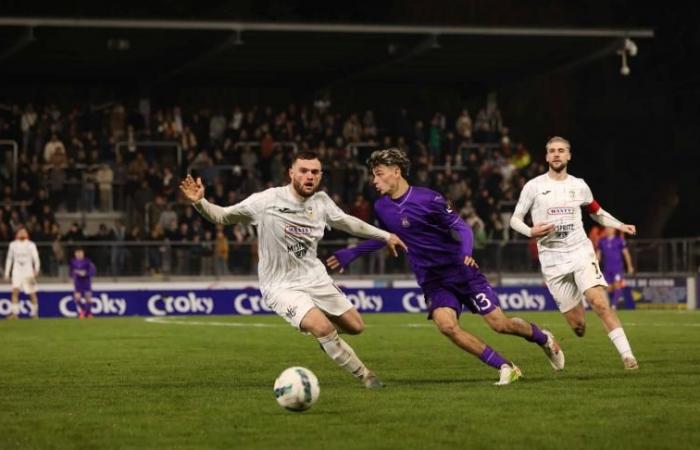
(342, 354)
(618, 338)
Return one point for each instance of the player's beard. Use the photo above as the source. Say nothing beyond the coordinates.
(301, 190)
(560, 168)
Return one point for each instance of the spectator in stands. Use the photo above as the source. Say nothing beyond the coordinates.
(28, 126)
(156, 250)
(463, 125)
(206, 253)
(52, 147)
(104, 178)
(221, 251)
(521, 159)
(119, 251)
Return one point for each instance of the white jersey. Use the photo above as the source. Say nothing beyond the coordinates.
(288, 233)
(22, 259)
(559, 203)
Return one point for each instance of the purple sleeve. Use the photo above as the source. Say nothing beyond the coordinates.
(347, 255)
(460, 231)
(92, 270)
(463, 233)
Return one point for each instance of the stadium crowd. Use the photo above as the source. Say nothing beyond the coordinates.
(113, 158)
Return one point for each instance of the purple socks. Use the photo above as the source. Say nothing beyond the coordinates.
(538, 336)
(492, 358)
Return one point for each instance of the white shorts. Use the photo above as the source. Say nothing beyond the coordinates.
(568, 281)
(24, 282)
(293, 304)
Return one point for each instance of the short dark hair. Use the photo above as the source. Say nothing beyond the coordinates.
(305, 155)
(390, 157)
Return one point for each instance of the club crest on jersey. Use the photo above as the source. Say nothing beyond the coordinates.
(404, 222)
(572, 195)
(309, 212)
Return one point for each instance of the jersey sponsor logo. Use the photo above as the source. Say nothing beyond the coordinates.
(414, 302)
(560, 211)
(562, 231)
(297, 230)
(247, 305)
(364, 302)
(288, 210)
(102, 305)
(298, 249)
(522, 300)
(160, 305)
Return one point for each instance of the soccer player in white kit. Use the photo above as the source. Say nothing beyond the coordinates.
(22, 266)
(295, 284)
(567, 257)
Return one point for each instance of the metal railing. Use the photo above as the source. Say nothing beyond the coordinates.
(205, 258)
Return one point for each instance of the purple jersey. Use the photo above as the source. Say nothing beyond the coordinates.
(82, 271)
(611, 252)
(437, 240)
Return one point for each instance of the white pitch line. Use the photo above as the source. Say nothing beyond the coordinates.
(169, 321)
(175, 321)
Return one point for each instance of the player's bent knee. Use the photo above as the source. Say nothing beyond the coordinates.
(354, 328)
(579, 329)
(317, 324)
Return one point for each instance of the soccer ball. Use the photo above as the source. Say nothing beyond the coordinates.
(296, 389)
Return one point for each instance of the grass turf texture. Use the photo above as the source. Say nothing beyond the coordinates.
(129, 383)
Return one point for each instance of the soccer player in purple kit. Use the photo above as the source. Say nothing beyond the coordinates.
(611, 250)
(81, 271)
(440, 246)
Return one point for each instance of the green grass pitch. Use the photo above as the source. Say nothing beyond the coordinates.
(206, 382)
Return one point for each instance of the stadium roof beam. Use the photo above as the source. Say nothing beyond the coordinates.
(206, 25)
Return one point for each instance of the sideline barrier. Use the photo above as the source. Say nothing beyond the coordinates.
(177, 299)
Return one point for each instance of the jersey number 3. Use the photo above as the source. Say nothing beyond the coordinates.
(481, 302)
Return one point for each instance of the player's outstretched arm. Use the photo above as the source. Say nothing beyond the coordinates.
(343, 257)
(606, 219)
(193, 190)
(359, 228)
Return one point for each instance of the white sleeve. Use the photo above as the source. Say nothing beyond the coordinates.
(9, 260)
(350, 224)
(517, 220)
(35, 259)
(587, 194)
(245, 211)
(605, 218)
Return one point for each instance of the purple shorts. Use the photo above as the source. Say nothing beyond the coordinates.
(613, 276)
(82, 287)
(470, 289)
